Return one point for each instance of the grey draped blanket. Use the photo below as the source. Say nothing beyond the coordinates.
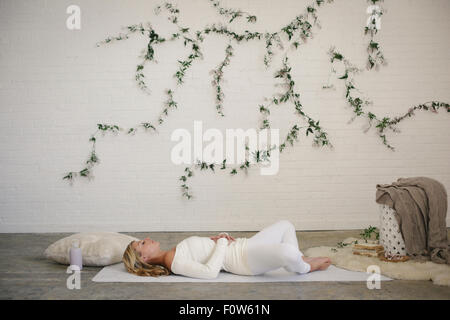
(420, 204)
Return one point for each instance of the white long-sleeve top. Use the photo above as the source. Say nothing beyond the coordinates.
(201, 257)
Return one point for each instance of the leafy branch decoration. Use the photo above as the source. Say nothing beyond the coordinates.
(290, 95)
(300, 24)
(358, 103)
(218, 75)
(263, 156)
(297, 32)
(232, 13)
(375, 57)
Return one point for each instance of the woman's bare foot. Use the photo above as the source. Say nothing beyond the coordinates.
(317, 263)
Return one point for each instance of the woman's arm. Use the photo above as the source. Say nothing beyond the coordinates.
(210, 269)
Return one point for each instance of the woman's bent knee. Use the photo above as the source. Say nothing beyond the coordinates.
(288, 253)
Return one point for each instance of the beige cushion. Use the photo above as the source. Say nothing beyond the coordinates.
(97, 248)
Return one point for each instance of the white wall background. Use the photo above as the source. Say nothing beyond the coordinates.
(56, 85)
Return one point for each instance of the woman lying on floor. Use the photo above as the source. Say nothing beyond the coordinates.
(273, 247)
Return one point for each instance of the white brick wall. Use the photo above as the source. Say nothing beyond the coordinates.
(55, 85)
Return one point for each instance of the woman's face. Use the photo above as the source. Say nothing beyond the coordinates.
(146, 248)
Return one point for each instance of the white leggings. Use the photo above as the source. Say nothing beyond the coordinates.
(274, 247)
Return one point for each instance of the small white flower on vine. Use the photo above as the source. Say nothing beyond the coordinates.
(375, 17)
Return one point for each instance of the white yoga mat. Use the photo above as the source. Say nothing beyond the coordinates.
(118, 273)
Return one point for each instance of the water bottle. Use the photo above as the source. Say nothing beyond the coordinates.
(75, 255)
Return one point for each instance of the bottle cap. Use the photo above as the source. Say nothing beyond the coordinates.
(75, 243)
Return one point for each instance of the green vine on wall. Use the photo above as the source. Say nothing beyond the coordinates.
(375, 57)
(232, 13)
(149, 51)
(300, 25)
(263, 156)
(357, 103)
(93, 158)
(297, 31)
(258, 157)
(218, 75)
(320, 137)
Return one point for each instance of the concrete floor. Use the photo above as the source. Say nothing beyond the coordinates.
(26, 274)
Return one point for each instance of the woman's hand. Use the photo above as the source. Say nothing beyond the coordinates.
(223, 235)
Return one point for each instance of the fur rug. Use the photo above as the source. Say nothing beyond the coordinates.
(409, 270)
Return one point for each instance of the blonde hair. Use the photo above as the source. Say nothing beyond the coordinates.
(136, 266)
